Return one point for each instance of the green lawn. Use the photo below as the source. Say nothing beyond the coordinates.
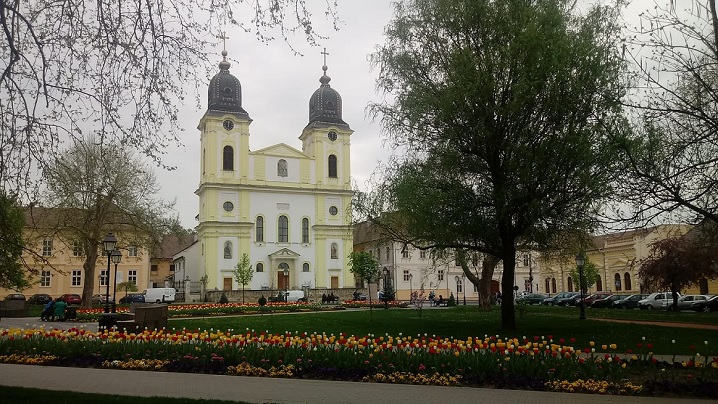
(12, 395)
(465, 321)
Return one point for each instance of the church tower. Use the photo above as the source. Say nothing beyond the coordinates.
(224, 140)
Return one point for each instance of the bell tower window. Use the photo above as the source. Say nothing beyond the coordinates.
(332, 162)
(228, 158)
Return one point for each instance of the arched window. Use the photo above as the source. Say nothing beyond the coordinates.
(332, 166)
(228, 158)
(627, 281)
(259, 230)
(283, 229)
(227, 249)
(305, 230)
(570, 284)
(547, 284)
(553, 285)
(305, 267)
(617, 281)
(335, 253)
(282, 170)
(599, 284)
(260, 267)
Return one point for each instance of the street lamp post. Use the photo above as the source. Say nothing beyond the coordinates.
(116, 257)
(580, 260)
(108, 244)
(386, 289)
(286, 284)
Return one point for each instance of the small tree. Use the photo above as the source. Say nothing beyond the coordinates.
(12, 221)
(243, 272)
(128, 286)
(366, 267)
(675, 263)
(590, 276)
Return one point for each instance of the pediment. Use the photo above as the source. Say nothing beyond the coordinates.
(284, 253)
(280, 150)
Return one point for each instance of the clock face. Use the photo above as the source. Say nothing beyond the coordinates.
(228, 125)
(228, 206)
(333, 211)
(332, 136)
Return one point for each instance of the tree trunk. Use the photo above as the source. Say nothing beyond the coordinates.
(508, 317)
(88, 268)
(488, 265)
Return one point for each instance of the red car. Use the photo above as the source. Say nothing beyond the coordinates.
(71, 298)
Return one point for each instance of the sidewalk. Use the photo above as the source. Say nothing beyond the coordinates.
(270, 390)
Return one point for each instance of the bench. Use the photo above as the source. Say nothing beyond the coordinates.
(443, 302)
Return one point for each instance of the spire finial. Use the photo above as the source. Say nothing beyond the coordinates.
(224, 65)
(324, 67)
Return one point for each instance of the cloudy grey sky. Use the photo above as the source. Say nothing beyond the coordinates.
(277, 84)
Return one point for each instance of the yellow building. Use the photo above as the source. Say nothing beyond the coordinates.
(287, 209)
(56, 259)
(617, 257)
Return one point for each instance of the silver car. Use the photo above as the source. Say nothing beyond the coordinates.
(685, 302)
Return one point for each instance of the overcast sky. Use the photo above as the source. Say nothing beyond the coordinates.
(276, 86)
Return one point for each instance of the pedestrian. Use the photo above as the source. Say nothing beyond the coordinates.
(58, 311)
(47, 311)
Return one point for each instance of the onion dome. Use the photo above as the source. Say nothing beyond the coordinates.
(225, 91)
(325, 104)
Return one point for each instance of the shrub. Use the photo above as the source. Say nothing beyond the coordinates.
(223, 299)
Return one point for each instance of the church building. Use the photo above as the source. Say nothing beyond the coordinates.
(287, 209)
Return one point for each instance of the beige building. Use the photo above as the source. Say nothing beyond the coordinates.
(617, 257)
(56, 260)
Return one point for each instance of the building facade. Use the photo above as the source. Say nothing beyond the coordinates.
(287, 209)
(617, 257)
(56, 259)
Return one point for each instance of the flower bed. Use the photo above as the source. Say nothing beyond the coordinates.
(225, 309)
(527, 363)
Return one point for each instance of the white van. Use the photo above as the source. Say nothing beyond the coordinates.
(292, 296)
(159, 295)
(657, 300)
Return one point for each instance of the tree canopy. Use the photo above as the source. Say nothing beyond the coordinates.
(243, 272)
(119, 68)
(672, 151)
(500, 109)
(95, 188)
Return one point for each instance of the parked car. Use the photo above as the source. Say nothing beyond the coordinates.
(707, 305)
(685, 302)
(656, 301)
(630, 302)
(71, 298)
(551, 301)
(132, 298)
(531, 298)
(595, 296)
(39, 298)
(101, 299)
(566, 301)
(606, 302)
(15, 296)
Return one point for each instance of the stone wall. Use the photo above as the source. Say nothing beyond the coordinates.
(252, 296)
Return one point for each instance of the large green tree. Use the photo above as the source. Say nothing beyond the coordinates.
(95, 188)
(12, 244)
(121, 67)
(499, 109)
(672, 153)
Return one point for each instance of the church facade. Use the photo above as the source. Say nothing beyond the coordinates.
(287, 209)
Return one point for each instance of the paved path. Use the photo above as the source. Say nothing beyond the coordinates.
(286, 391)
